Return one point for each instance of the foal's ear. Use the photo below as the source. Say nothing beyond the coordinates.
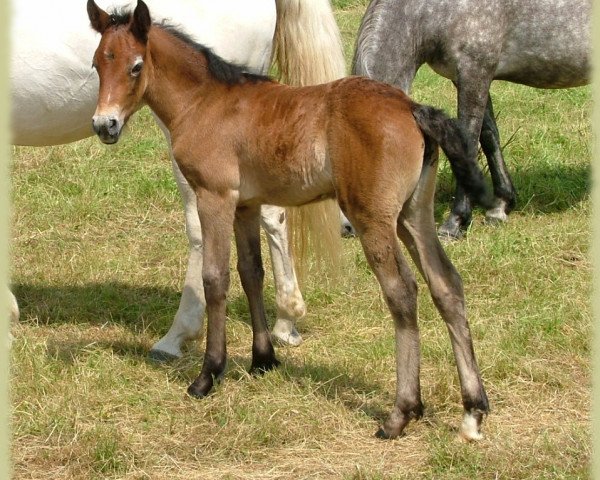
(98, 17)
(140, 23)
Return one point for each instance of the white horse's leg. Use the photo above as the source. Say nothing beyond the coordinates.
(14, 314)
(290, 304)
(14, 307)
(188, 319)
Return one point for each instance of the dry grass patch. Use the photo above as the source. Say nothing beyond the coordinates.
(99, 254)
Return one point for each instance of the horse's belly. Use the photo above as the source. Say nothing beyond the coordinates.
(551, 49)
(297, 180)
(540, 72)
(52, 99)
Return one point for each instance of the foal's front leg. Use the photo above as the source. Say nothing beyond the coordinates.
(250, 268)
(216, 211)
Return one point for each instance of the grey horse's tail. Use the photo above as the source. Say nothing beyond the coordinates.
(451, 137)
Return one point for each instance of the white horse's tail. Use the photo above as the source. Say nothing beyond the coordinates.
(308, 51)
(308, 47)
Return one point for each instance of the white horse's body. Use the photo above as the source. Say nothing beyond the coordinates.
(54, 95)
(54, 87)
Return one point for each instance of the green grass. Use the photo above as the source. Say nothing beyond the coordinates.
(99, 255)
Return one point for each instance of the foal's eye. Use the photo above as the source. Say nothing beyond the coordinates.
(136, 69)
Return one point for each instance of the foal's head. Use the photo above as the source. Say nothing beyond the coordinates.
(119, 60)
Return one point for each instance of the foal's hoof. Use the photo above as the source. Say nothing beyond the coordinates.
(201, 386)
(263, 366)
(470, 429)
(383, 435)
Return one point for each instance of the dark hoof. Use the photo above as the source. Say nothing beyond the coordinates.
(161, 357)
(201, 387)
(259, 368)
(383, 435)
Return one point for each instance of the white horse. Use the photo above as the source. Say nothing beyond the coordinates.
(54, 95)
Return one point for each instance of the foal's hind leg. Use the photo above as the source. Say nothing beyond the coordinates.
(250, 268)
(399, 288)
(416, 228)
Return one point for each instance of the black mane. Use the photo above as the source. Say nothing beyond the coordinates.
(222, 70)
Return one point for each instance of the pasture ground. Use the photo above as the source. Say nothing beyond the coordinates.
(99, 254)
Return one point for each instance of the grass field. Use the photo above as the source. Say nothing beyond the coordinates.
(99, 254)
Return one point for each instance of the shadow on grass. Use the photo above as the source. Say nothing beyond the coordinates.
(338, 385)
(151, 310)
(137, 308)
(333, 384)
(147, 309)
(543, 189)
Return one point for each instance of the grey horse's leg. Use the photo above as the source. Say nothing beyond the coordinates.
(504, 191)
(473, 86)
(188, 321)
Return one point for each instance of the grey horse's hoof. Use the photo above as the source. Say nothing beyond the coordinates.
(449, 233)
(452, 229)
(496, 216)
(348, 231)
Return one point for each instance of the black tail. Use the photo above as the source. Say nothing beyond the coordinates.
(450, 135)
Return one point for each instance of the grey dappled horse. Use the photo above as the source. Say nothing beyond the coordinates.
(540, 43)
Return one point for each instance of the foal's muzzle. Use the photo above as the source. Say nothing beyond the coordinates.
(107, 127)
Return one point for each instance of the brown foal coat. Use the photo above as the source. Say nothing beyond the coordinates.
(242, 141)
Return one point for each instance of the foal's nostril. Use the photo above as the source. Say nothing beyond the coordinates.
(107, 128)
(348, 230)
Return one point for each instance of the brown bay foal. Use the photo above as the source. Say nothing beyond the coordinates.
(242, 141)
